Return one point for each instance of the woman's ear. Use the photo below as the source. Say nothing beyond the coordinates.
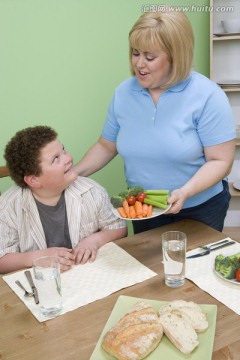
(32, 181)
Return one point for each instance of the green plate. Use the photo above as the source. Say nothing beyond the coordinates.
(165, 350)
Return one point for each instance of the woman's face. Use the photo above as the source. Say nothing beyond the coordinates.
(152, 69)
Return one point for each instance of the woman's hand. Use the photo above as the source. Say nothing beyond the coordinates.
(177, 199)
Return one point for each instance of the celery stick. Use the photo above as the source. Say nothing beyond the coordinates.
(156, 192)
(159, 198)
(155, 203)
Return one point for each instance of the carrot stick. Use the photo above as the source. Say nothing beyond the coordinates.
(121, 212)
(150, 209)
(138, 208)
(126, 207)
(132, 212)
(145, 209)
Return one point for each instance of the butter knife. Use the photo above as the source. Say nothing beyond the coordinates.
(207, 251)
(31, 283)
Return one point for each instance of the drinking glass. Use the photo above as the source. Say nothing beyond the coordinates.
(46, 271)
(174, 257)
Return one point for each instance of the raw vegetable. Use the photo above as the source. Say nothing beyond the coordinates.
(131, 199)
(135, 190)
(141, 200)
(145, 209)
(132, 212)
(150, 210)
(126, 208)
(123, 194)
(155, 203)
(238, 275)
(156, 192)
(227, 266)
(141, 196)
(117, 201)
(138, 208)
(121, 212)
(157, 198)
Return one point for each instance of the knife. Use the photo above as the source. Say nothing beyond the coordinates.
(212, 246)
(207, 251)
(34, 289)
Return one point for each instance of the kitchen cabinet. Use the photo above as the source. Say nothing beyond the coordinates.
(225, 70)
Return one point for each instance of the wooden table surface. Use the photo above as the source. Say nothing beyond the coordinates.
(74, 335)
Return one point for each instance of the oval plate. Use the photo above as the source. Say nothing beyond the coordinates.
(233, 281)
(156, 212)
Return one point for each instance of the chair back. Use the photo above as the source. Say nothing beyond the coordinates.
(4, 172)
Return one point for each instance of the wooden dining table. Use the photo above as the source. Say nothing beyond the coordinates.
(74, 335)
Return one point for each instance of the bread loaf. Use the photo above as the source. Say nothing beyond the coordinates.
(135, 335)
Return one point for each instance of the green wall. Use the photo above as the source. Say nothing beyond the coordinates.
(60, 62)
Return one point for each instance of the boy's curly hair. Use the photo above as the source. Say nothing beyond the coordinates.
(22, 153)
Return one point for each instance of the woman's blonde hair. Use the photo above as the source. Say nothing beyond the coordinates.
(172, 33)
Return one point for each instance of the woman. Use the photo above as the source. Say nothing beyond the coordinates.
(172, 126)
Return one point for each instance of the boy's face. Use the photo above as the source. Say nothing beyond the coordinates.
(56, 164)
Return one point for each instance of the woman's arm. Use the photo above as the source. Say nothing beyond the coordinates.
(219, 160)
(99, 155)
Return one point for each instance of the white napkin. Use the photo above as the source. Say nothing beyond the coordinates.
(201, 272)
(112, 270)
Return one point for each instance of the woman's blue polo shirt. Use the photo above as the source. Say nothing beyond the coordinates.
(162, 145)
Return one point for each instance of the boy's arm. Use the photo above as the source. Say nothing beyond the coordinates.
(17, 261)
(87, 248)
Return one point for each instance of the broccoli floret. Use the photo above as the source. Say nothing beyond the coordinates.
(116, 201)
(228, 271)
(235, 256)
(236, 263)
(123, 194)
(135, 190)
(227, 265)
(218, 261)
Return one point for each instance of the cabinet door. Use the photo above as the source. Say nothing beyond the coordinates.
(225, 70)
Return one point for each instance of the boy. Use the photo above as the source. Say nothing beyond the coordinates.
(51, 211)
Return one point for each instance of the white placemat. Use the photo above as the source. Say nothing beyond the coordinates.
(112, 270)
(201, 272)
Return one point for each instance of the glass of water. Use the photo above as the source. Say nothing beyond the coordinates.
(48, 283)
(174, 245)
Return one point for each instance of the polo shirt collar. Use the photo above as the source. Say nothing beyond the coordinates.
(176, 88)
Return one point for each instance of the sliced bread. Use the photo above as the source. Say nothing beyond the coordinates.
(179, 331)
(190, 311)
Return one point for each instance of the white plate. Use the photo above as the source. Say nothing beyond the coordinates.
(156, 212)
(236, 185)
(226, 34)
(233, 281)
